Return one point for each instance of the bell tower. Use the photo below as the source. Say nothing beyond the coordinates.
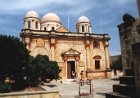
(32, 20)
(83, 25)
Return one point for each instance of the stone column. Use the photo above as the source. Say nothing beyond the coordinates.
(87, 55)
(107, 60)
(88, 60)
(39, 25)
(25, 24)
(80, 28)
(64, 71)
(86, 26)
(52, 52)
(64, 68)
(27, 41)
(90, 29)
(77, 66)
(52, 44)
(136, 55)
(32, 24)
(107, 56)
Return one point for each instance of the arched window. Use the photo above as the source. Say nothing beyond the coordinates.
(83, 29)
(40, 42)
(45, 29)
(53, 28)
(96, 44)
(29, 24)
(97, 59)
(36, 25)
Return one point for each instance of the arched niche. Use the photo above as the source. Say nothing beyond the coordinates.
(97, 57)
(40, 42)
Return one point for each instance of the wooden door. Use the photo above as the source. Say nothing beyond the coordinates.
(68, 70)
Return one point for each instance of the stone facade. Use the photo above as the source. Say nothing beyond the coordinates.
(129, 34)
(136, 54)
(74, 51)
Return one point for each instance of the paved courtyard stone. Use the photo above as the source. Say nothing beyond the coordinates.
(70, 89)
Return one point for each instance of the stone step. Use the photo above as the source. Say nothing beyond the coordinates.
(76, 96)
(68, 81)
(124, 89)
(130, 80)
(89, 96)
(115, 95)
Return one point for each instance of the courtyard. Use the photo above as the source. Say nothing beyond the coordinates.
(70, 89)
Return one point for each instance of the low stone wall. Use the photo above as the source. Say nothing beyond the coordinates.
(34, 94)
(99, 75)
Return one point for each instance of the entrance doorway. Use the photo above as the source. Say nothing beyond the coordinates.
(71, 73)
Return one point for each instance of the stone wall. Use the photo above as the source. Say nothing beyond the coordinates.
(37, 94)
(99, 75)
(136, 54)
(129, 34)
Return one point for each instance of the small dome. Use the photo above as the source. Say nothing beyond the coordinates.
(51, 17)
(32, 14)
(83, 19)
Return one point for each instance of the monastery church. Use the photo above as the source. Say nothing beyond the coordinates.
(77, 51)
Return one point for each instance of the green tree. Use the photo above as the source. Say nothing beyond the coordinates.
(41, 69)
(14, 57)
(21, 69)
(117, 65)
(36, 69)
(53, 71)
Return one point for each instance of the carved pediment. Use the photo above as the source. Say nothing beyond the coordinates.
(71, 52)
(62, 29)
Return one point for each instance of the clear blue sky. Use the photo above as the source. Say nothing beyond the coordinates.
(104, 15)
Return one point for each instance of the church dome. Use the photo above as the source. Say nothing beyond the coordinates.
(51, 17)
(32, 14)
(83, 19)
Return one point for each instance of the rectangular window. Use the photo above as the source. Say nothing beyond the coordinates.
(97, 64)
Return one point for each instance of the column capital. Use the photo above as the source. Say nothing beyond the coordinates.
(65, 58)
(77, 58)
(52, 42)
(106, 44)
(87, 43)
(27, 40)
